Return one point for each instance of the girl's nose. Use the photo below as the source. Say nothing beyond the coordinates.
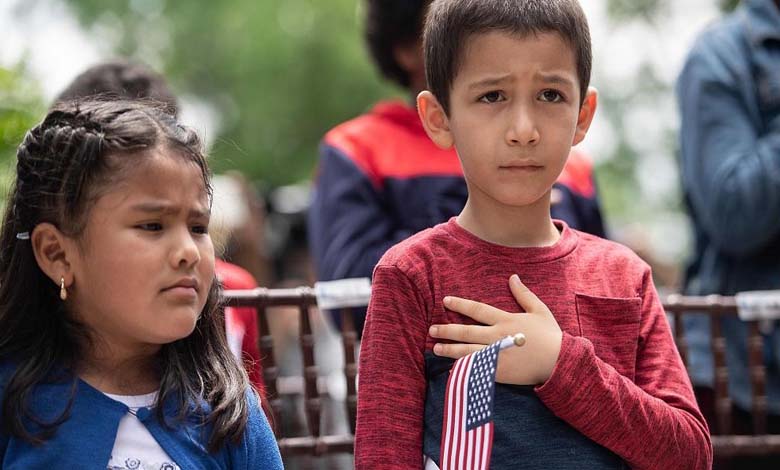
(186, 254)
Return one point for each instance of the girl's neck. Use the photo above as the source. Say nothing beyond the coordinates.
(121, 374)
(527, 226)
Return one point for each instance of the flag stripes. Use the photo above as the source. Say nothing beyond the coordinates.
(467, 428)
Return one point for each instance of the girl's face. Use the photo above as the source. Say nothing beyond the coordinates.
(146, 262)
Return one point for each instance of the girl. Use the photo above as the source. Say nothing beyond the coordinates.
(112, 348)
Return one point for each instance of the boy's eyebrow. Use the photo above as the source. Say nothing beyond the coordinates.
(167, 209)
(555, 78)
(490, 81)
(552, 78)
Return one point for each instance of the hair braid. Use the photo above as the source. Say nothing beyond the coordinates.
(54, 162)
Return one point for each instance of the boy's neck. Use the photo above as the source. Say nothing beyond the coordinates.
(527, 226)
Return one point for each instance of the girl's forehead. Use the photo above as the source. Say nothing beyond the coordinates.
(160, 175)
(168, 165)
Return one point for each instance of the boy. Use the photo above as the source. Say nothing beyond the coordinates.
(380, 179)
(599, 383)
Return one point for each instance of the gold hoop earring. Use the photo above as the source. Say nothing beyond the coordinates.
(63, 291)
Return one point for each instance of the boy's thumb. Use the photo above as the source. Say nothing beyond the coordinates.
(523, 295)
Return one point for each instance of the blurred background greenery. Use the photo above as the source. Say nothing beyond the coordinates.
(275, 75)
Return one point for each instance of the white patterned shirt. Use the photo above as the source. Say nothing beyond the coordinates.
(135, 448)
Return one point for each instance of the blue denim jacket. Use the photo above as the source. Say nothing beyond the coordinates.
(729, 95)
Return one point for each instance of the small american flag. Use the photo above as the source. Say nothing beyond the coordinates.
(467, 431)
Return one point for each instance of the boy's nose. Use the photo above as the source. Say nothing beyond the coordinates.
(522, 128)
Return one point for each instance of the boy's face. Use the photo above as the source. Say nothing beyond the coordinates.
(514, 115)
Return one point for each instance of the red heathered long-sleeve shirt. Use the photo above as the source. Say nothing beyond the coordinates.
(619, 380)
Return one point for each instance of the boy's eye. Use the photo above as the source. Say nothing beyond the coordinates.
(152, 226)
(491, 97)
(551, 96)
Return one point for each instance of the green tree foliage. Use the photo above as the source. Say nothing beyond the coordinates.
(21, 107)
(648, 10)
(280, 73)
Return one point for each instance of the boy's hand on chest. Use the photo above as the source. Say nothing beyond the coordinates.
(530, 364)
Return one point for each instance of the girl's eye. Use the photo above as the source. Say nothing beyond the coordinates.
(551, 96)
(491, 97)
(151, 227)
(200, 229)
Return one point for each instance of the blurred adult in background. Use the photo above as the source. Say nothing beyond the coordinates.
(132, 80)
(729, 96)
(122, 78)
(381, 179)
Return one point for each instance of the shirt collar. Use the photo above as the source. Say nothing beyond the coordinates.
(762, 18)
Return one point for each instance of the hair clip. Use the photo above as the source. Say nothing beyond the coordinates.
(23, 236)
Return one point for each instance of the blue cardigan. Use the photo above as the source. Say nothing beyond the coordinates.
(85, 440)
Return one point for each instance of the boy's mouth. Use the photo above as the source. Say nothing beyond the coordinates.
(521, 167)
(521, 164)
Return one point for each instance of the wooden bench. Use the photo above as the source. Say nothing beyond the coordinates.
(725, 443)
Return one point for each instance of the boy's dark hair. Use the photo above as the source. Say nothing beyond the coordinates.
(450, 23)
(121, 79)
(63, 165)
(391, 23)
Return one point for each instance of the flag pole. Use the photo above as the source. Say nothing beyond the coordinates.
(514, 340)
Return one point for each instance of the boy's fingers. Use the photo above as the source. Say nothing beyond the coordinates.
(463, 333)
(456, 351)
(523, 295)
(478, 311)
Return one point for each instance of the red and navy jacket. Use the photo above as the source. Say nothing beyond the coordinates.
(381, 179)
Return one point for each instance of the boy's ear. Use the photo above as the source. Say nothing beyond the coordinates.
(585, 118)
(53, 252)
(434, 120)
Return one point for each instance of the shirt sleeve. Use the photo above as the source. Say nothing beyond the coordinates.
(652, 422)
(392, 384)
(579, 203)
(350, 225)
(235, 277)
(581, 212)
(259, 443)
(730, 162)
(590, 208)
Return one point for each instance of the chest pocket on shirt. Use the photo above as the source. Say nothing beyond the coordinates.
(612, 325)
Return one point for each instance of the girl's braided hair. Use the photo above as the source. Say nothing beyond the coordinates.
(63, 166)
